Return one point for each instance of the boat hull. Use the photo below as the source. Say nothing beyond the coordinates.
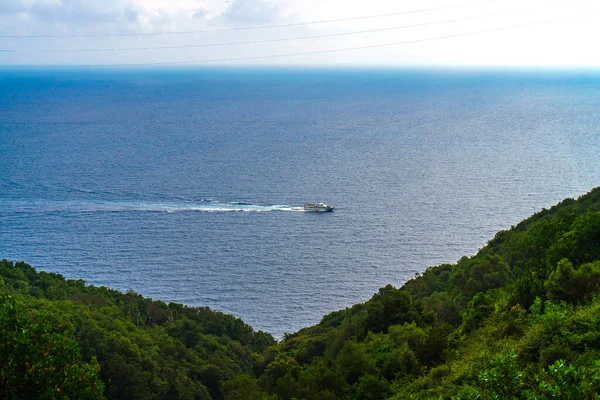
(320, 207)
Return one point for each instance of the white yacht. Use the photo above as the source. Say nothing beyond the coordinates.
(319, 207)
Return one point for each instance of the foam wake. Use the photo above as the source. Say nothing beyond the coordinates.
(40, 206)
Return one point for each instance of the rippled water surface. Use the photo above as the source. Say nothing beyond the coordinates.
(188, 185)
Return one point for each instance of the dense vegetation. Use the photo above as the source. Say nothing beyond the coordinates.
(521, 319)
(62, 339)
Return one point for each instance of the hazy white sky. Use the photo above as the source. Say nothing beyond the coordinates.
(569, 39)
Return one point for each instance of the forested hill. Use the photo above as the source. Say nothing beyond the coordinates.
(521, 319)
(62, 339)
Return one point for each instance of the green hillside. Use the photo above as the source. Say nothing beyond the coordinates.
(137, 347)
(521, 319)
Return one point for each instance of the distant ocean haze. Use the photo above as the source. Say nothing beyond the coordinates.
(188, 185)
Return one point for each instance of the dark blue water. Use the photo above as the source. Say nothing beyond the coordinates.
(186, 185)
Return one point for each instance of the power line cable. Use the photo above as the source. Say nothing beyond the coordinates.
(272, 56)
(282, 39)
(247, 27)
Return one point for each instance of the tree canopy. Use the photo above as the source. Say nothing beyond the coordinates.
(520, 319)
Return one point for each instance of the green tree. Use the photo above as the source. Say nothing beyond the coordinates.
(572, 284)
(36, 362)
(370, 387)
(243, 387)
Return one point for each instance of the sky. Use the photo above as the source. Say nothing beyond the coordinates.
(501, 33)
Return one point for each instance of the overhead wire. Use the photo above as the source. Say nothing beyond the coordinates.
(316, 22)
(283, 55)
(187, 46)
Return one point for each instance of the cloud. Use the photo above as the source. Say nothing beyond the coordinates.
(84, 11)
(11, 7)
(553, 42)
(138, 15)
(200, 13)
(131, 14)
(253, 12)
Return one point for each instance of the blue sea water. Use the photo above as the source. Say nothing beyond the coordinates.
(187, 185)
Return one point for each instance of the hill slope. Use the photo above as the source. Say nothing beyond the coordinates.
(494, 325)
(142, 348)
(520, 319)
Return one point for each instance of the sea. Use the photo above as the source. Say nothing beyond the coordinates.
(187, 185)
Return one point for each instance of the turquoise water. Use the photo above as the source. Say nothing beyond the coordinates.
(186, 185)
